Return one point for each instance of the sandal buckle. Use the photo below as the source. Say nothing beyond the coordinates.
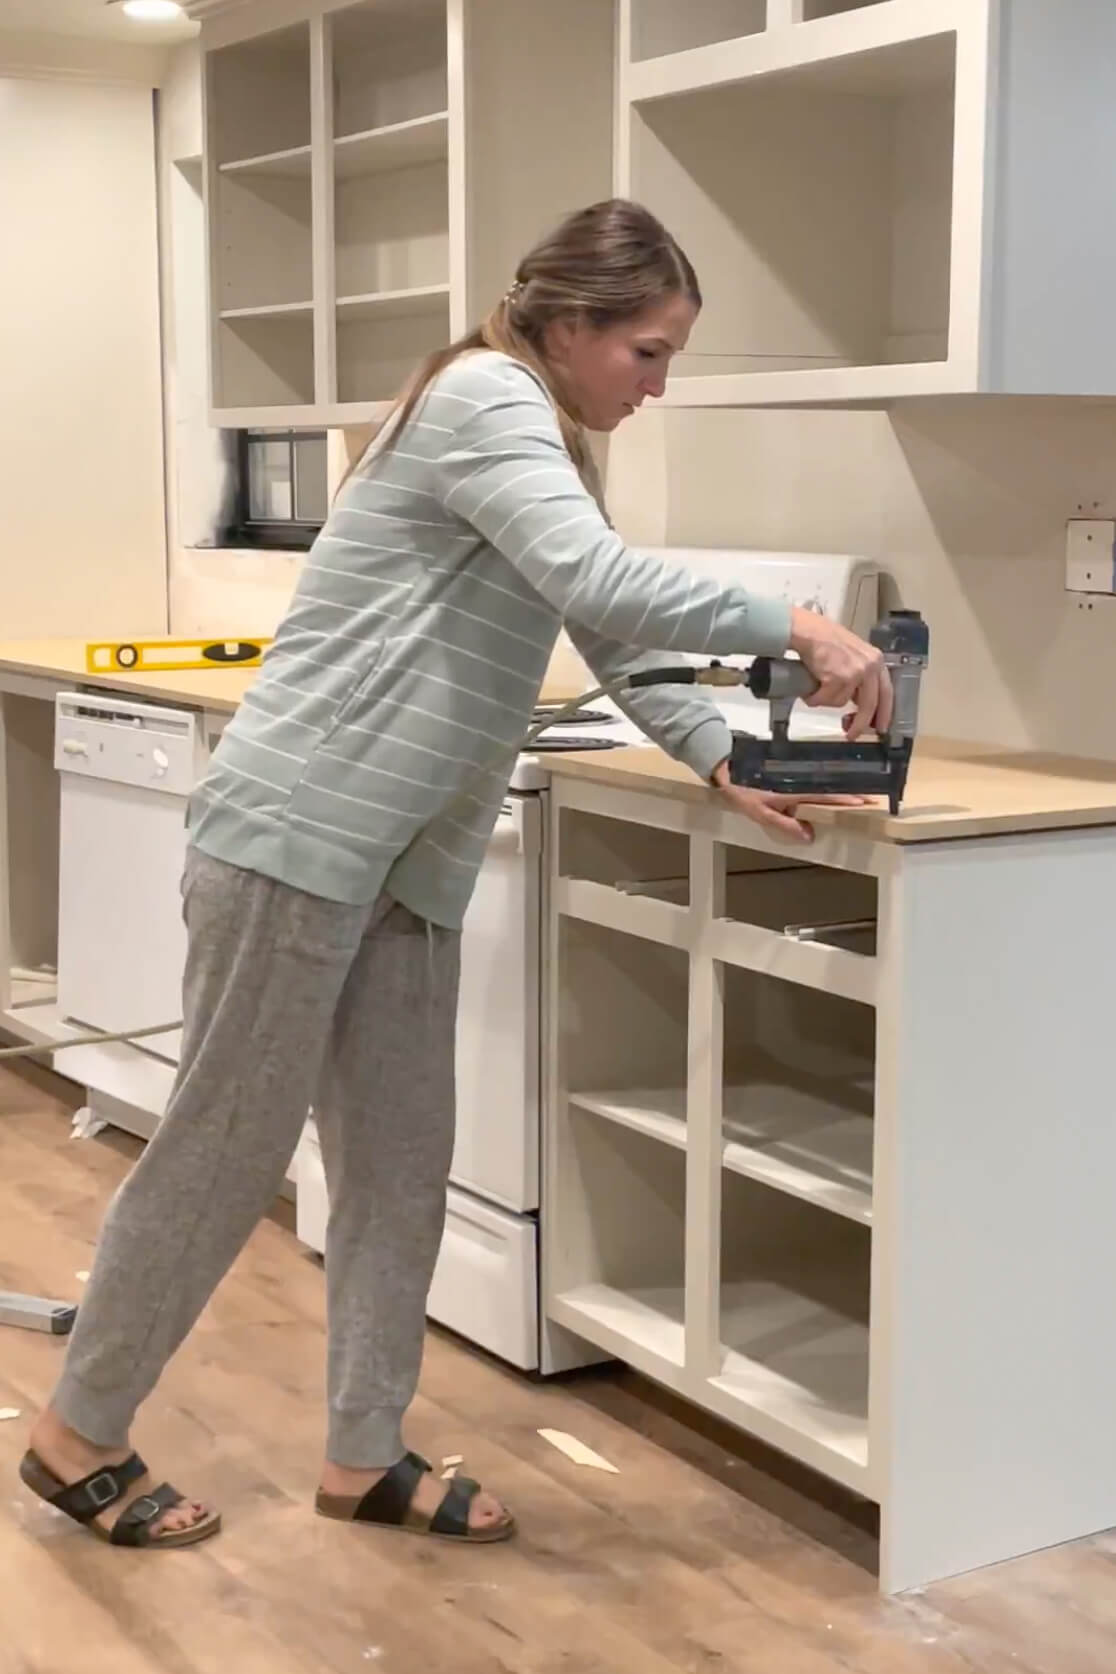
(102, 1489)
(144, 1516)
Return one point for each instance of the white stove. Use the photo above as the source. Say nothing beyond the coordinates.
(486, 1283)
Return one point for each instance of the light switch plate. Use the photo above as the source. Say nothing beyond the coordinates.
(1090, 555)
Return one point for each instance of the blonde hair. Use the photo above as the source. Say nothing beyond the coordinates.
(603, 264)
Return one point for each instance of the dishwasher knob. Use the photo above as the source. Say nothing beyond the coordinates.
(161, 760)
(74, 747)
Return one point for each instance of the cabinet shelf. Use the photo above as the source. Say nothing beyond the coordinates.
(658, 1112)
(620, 1319)
(793, 1371)
(398, 145)
(270, 310)
(661, 27)
(389, 65)
(31, 991)
(796, 1141)
(802, 1366)
(393, 305)
(265, 358)
(292, 164)
(264, 225)
(259, 98)
(382, 335)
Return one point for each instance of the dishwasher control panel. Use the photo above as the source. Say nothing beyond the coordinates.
(102, 736)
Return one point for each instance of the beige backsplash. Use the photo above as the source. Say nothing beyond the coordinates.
(963, 504)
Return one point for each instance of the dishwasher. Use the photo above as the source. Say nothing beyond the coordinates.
(126, 771)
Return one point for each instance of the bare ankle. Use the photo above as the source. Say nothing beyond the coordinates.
(50, 1431)
(340, 1479)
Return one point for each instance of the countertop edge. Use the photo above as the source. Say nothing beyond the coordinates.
(872, 824)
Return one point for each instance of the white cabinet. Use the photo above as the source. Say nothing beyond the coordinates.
(847, 1191)
(882, 198)
(374, 172)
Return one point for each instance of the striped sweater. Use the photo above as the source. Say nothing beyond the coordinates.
(373, 750)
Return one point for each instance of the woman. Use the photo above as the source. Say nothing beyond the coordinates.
(335, 841)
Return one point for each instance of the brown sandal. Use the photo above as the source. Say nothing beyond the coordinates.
(85, 1500)
(389, 1504)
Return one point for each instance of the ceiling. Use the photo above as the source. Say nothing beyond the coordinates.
(91, 20)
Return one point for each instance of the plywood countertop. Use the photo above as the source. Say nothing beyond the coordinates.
(954, 790)
(216, 689)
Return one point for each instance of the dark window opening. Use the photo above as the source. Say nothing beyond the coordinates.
(281, 489)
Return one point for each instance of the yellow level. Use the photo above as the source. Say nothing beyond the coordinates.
(153, 656)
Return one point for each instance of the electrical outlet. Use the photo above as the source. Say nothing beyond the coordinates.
(1090, 555)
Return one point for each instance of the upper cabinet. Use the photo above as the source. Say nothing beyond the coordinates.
(374, 171)
(882, 198)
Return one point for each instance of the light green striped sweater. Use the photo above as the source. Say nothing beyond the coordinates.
(417, 641)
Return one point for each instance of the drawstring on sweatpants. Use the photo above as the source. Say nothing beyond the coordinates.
(429, 975)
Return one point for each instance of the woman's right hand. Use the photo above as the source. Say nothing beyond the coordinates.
(848, 671)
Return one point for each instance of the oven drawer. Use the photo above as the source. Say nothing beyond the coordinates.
(486, 1280)
(485, 1284)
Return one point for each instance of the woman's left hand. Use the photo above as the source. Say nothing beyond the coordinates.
(774, 811)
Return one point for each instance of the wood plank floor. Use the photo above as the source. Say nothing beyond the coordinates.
(700, 1555)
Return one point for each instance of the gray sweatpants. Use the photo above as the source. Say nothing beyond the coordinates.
(289, 1001)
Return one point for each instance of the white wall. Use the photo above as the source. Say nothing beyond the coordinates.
(33, 53)
(83, 535)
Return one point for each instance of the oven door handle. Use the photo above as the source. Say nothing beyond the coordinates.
(514, 833)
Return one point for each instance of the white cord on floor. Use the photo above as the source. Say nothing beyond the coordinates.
(48, 1047)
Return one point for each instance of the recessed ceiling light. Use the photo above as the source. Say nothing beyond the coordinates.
(152, 11)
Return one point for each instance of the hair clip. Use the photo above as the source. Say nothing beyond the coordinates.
(514, 291)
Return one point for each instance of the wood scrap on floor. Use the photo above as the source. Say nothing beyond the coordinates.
(577, 1451)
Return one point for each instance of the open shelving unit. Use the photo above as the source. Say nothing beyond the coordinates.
(395, 145)
(810, 1163)
(683, 1045)
(373, 175)
(869, 191)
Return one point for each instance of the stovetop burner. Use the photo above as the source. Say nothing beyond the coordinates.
(583, 718)
(574, 741)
